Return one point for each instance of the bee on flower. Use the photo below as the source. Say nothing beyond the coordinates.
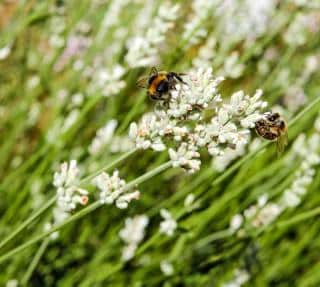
(178, 123)
(273, 128)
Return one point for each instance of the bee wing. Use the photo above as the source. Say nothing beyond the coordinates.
(282, 142)
(153, 71)
(142, 82)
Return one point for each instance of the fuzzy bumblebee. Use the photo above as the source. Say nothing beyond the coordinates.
(158, 84)
(273, 127)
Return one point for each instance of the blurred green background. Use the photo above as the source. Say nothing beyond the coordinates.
(68, 68)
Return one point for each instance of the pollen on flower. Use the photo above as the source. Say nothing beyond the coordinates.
(69, 194)
(84, 200)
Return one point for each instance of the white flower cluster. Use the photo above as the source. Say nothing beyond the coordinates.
(198, 93)
(266, 62)
(69, 194)
(132, 234)
(103, 137)
(112, 16)
(264, 212)
(121, 144)
(145, 16)
(246, 19)
(232, 67)
(206, 53)
(166, 267)
(47, 226)
(5, 52)
(179, 123)
(186, 156)
(57, 26)
(257, 215)
(147, 133)
(301, 28)
(295, 96)
(107, 81)
(76, 45)
(12, 283)
(240, 277)
(309, 151)
(306, 3)
(195, 29)
(38, 198)
(60, 126)
(113, 190)
(221, 162)
(168, 225)
(144, 50)
(106, 138)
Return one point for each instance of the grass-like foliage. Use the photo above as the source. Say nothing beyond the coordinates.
(103, 183)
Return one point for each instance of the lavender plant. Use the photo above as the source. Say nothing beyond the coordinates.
(101, 186)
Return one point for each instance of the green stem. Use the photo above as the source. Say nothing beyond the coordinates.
(148, 175)
(133, 111)
(300, 217)
(293, 121)
(29, 162)
(108, 167)
(284, 59)
(83, 212)
(235, 166)
(39, 237)
(281, 224)
(226, 233)
(35, 261)
(27, 222)
(51, 201)
(213, 237)
(307, 109)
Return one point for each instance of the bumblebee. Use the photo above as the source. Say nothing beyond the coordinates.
(158, 84)
(273, 128)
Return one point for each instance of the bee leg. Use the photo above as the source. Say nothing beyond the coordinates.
(153, 97)
(178, 77)
(171, 82)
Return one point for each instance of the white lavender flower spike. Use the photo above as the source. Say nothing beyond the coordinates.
(166, 268)
(263, 212)
(168, 225)
(144, 50)
(103, 137)
(132, 234)
(112, 190)
(69, 194)
(179, 126)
